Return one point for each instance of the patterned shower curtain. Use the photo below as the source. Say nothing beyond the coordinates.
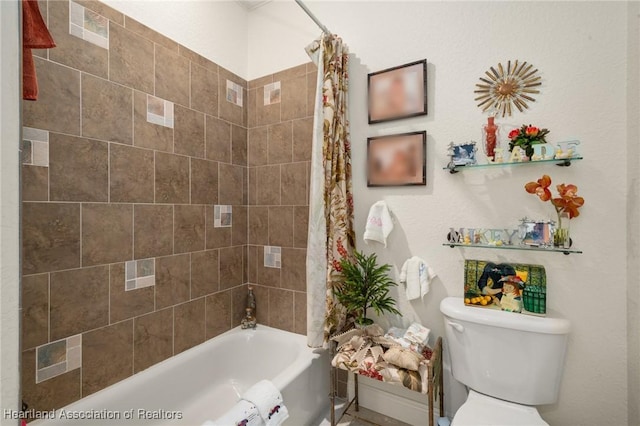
(331, 235)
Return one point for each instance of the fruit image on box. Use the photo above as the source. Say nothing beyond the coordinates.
(509, 287)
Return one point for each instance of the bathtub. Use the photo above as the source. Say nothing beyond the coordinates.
(204, 382)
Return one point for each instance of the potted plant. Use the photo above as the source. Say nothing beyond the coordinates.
(365, 285)
(527, 136)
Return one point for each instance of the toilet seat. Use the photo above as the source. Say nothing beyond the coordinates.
(483, 410)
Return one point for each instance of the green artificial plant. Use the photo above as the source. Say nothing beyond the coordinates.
(365, 285)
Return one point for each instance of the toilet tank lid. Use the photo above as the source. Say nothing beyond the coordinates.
(454, 308)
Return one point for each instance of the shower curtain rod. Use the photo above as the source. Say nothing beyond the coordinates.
(313, 17)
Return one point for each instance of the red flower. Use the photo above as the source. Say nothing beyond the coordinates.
(514, 134)
(568, 200)
(336, 266)
(540, 188)
(532, 131)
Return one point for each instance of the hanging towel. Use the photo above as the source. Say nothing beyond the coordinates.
(269, 401)
(243, 413)
(379, 223)
(35, 35)
(417, 276)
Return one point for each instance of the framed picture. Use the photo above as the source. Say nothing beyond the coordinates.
(398, 92)
(463, 154)
(397, 160)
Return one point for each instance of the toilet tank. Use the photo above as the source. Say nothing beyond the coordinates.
(514, 357)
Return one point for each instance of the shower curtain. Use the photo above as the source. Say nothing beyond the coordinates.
(331, 235)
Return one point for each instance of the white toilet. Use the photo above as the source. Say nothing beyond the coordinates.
(509, 362)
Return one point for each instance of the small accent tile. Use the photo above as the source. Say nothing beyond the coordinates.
(35, 147)
(140, 274)
(272, 93)
(234, 93)
(222, 216)
(272, 257)
(88, 25)
(160, 111)
(59, 357)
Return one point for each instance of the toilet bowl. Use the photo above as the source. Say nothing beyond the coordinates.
(509, 362)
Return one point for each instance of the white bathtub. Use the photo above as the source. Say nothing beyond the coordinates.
(204, 382)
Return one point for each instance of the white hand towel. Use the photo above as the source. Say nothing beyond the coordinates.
(379, 223)
(268, 399)
(243, 413)
(417, 276)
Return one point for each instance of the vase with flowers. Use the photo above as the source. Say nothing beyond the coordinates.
(527, 136)
(567, 205)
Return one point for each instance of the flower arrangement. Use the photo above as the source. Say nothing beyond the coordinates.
(527, 136)
(567, 200)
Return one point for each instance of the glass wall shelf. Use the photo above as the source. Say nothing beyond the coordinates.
(564, 162)
(516, 247)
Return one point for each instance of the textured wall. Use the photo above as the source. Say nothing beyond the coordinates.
(580, 50)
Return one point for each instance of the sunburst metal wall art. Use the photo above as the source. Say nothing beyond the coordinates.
(504, 87)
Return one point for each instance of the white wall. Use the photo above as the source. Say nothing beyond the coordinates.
(581, 52)
(216, 29)
(9, 206)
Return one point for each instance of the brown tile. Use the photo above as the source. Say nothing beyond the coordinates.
(204, 273)
(172, 76)
(239, 226)
(150, 34)
(50, 237)
(188, 228)
(268, 185)
(107, 233)
(152, 339)
(294, 269)
(312, 79)
(106, 110)
(259, 225)
(172, 178)
(238, 304)
(302, 139)
(239, 145)
(269, 277)
(262, 303)
(227, 110)
(216, 237)
(131, 174)
(107, 356)
(293, 184)
(281, 309)
(130, 59)
(78, 169)
(218, 308)
(35, 183)
(198, 59)
(289, 73)
(58, 105)
(127, 304)
(35, 310)
(204, 181)
(280, 146)
(294, 98)
(50, 394)
(71, 50)
(152, 230)
(252, 112)
(230, 183)
(261, 82)
(257, 146)
(218, 140)
(172, 280)
(300, 313)
(252, 185)
(188, 132)
(103, 9)
(265, 114)
(204, 90)
(245, 263)
(230, 267)
(245, 186)
(189, 325)
(281, 226)
(145, 134)
(300, 226)
(79, 301)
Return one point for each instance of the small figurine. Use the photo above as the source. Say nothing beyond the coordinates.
(249, 321)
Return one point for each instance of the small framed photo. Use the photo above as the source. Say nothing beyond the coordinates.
(463, 154)
(399, 92)
(397, 160)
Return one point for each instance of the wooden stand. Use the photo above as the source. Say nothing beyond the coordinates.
(435, 382)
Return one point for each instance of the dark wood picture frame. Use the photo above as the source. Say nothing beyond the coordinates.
(403, 158)
(420, 105)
